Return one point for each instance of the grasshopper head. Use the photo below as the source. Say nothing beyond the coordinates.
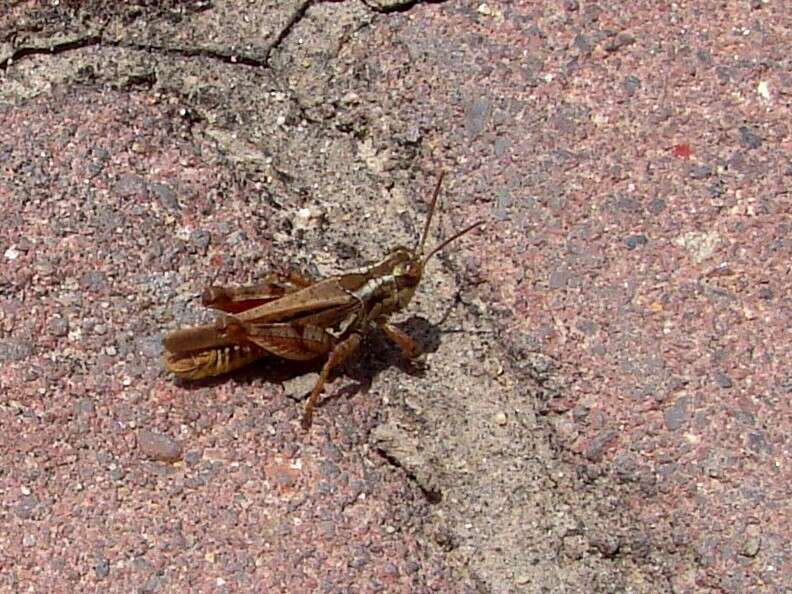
(406, 266)
(407, 270)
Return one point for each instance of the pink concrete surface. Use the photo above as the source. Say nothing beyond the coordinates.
(634, 163)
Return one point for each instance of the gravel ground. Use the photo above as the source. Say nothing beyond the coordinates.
(604, 400)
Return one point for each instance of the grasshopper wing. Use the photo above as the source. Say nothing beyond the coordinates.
(324, 295)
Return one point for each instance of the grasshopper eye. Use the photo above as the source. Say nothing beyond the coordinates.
(414, 270)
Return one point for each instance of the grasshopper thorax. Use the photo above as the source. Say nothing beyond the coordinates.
(392, 281)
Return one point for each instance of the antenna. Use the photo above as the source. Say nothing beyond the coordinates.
(450, 239)
(431, 213)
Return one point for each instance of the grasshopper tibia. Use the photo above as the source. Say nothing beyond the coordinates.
(341, 351)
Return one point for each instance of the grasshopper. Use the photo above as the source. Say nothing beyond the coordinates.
(300, 319)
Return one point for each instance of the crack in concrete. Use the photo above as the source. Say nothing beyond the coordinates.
(98, 39)
(296, 17)
(58, 48)
(397, 6)
(227, 58)
(196, 52)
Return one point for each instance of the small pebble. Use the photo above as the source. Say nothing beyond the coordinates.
(723, 380)
(59, 327)
(11, 253)
(752, 543)
(501, 419)
(633, 241)
(299, 387)
(101, 568)
(159, 447)
(484, 9)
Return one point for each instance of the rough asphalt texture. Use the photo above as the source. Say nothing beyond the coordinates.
(604, 403)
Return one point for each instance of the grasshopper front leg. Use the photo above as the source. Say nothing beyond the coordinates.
(403, 340)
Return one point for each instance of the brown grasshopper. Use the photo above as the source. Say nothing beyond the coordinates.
(299, 319)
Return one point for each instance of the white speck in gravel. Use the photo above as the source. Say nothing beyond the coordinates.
(763, 90)
(700, 245)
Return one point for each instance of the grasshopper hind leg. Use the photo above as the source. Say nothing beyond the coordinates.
(235, 300)
(296, 279)
(337, 356)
